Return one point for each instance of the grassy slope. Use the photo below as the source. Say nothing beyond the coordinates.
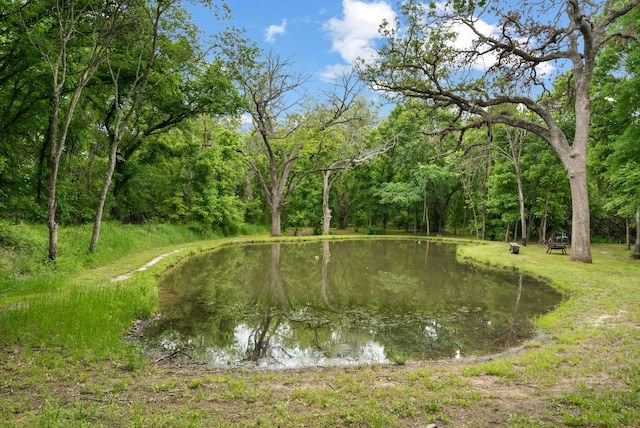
(72, 369)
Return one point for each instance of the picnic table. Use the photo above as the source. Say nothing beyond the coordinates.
(560, 242)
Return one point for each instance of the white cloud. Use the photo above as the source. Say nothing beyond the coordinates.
(246, 119)
(465, 38)
(355, 34)
(332, 72)
(545, 69)
(275, 30)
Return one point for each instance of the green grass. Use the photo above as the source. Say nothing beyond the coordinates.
(83, 315)
(65, 362)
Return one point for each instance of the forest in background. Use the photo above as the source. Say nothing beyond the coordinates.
(119, 110)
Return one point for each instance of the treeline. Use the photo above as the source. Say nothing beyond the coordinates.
(120, 110)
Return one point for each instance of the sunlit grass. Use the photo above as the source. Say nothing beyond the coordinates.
(67, 363)
(79, 320)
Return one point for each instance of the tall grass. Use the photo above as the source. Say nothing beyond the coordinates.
(24, 250)
(117, 240)
(80, 322)
(49, 306)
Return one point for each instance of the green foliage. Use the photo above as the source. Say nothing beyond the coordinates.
(304, 207)
(614, 154)
(26, 271)
(179, 159)
(84, 320)
(21, 250)
(188, 175)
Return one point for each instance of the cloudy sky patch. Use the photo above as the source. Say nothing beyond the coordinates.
(273, 31)
(355, 33)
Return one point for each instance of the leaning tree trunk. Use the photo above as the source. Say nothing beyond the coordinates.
(58, 140)
(95, 236)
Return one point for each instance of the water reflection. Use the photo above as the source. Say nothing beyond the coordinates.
(333, 303)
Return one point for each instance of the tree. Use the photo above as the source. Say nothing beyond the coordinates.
(129, 81)
(421, 61)
(473, 168)
(616, 151)
(403, 188)
(161, 46)
(73, 38)
(273, 90)
(515, 139)
(348, 145)
(337, 168)
(24, 96)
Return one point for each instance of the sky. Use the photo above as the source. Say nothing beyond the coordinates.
(322, 37)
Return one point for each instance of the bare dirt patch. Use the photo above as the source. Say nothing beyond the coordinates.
(145, 267)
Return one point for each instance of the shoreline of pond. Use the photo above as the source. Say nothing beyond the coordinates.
(448, 323)
(585, 360)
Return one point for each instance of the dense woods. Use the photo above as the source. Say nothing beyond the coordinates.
(121, 110)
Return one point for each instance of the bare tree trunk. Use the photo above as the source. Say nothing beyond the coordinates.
(516, 139)
(543, 222)
(52, 225)
(580, 219)
(276, 214)
(627, 227)
(636, 248)
(58, 141)
(464, 221)
(484, 222)
(426, 218)
(475, 216)
(326, 211)
(523, 219)
(95, 236)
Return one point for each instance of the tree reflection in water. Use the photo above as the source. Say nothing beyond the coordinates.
(275, 302)
(331, 303)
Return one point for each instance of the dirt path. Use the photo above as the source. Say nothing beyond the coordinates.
(145, 267)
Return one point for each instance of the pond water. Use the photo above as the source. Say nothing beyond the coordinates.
(328, 303)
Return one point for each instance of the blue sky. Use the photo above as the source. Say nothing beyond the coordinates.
(325, 36)
(321, 36)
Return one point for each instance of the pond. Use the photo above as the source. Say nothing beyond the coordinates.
(330, 303)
